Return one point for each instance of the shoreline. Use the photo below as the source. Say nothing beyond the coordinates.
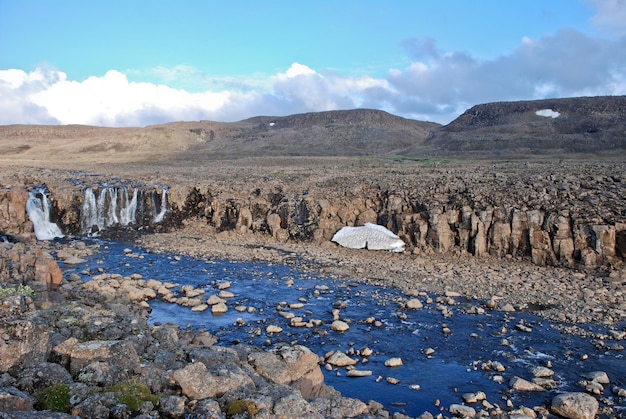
(558, 294)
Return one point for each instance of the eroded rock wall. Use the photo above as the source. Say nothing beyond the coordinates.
(561, 214)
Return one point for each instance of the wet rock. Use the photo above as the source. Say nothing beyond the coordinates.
(462, 411)
(574, 406)
(474, 397)
(414, 304)
(339, 326)
(358, 373)
(273, 329)
(219, 308)
(339, 359)
(542, 372)
(600, 377)
(519, 384)
(393, 362)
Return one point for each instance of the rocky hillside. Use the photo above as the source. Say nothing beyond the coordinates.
(358, 132)
(557, 127)
(574, 127)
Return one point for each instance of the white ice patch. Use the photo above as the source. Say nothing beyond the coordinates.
(548, 113)
(370, 236)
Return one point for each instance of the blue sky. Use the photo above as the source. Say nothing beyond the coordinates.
(135, 63)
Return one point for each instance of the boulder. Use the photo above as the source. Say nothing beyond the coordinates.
(574, 405)
(293, 365)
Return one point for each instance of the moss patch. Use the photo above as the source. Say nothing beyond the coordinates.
(55, 398)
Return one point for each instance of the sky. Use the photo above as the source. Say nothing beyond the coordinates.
(140, 62)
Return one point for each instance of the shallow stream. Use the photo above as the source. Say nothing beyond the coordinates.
(424, 381)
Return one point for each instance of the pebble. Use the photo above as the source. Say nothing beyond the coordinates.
(519, 384)
(214, 299)
(463, 411)
(219, 308)
(339, 326)
(600, 377)
(358, 373)
(414, 304)
(474, 397)
(273, 329)
(542, 372)
(339, 359)
(224, 285)
(393, 362)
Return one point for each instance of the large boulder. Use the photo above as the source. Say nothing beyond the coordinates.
(293, 365)
(575, 405)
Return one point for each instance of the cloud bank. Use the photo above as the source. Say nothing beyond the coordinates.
(436, 86)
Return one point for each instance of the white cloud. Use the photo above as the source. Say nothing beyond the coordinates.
(610, 15)
(436, 86)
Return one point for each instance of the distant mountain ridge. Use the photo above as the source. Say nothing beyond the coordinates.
(540, 127)
(571, 127)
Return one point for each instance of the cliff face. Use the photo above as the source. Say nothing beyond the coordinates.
(539, 127)
(562, 214)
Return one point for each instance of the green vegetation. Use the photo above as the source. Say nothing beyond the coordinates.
(238, 407)
(23, 290)
(133, 393)
(55, 398)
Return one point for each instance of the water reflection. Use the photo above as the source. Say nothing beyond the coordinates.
(443, 356)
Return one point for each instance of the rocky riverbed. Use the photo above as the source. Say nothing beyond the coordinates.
(570, 270)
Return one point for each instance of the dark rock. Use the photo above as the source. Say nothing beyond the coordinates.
(12, 399)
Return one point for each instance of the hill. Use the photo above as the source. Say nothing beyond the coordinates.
(359, 132)
(550, 127)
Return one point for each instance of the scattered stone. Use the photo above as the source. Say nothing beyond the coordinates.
(542, 372)
(474, 397)
(339, 326)
(462, 411)
(273, 329)
(200, 308)
(358, 373)
(575, 406)
(223, 285)
(598, 376)
(339, 359)
(219, 308)
(393, 362)
(226, 294)
(214, 299)
(519, 384)
(414, 304)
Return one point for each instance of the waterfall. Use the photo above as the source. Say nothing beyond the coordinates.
(117, 206)
(110, 206)
(128, 209)
(38, 209)
(158, 217)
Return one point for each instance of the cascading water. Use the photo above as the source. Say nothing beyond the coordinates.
(158, 216)
(38, 209)
(114, 206)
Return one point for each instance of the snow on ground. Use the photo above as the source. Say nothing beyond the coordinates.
(549, 113)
